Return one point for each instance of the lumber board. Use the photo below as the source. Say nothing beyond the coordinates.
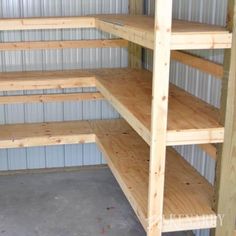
(46, 23)
(185, 35)
(187, 198)
(159, 114)
(44, 134)
(190, 120)
(43, 98)
(41, 45)
(33, 80)
(198, 63)
(225, 178)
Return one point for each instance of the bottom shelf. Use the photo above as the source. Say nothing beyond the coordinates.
(187, 201)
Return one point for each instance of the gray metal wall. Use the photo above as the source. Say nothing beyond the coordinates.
(196, 82)
(68, 155)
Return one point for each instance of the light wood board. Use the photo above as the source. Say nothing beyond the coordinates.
(34, 80)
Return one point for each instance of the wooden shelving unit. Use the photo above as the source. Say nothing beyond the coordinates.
(166, 193)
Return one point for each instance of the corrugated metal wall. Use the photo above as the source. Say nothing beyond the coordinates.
(68, 155)
(196, 82)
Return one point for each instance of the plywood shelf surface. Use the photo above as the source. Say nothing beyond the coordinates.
(187, 203)
(185, 35)
(190, 120)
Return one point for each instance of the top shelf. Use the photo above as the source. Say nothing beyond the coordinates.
(138, 29)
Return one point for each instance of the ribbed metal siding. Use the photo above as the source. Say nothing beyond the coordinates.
(68, 155)
(196, 82)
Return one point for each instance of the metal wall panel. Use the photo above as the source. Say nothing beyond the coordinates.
(196, 82)
(66, 155)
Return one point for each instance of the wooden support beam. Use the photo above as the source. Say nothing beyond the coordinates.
(198, 63)
(160, 91)
(41, 45)
(47, 23)
(43, 98)
(135, 51)
(225, 193)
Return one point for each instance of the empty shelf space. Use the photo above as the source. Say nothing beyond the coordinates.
(10, 81)
(187, 201)
(185, 35)
(190, 120)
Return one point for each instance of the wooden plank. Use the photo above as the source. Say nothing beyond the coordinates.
(135, 51)
(190, 120)
(43, 98)
(11, 81)
(159, 114)
(187, 201)
(225, 191)
(47, 23)
(185, 35)
(44, 134)
(198, 63)
(41, 45)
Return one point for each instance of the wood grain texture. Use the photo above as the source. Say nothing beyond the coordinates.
(187, 197)
(190, 120)
(44, 98)
(44, 134)
(10, 81)
(159, 116)
(47, 23)
(198, 63)
(42, 45)
(225, 191)
(185, 35)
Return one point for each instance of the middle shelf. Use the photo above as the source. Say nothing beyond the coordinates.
(190, 120)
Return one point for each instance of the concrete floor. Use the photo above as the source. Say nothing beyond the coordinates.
(83, 203)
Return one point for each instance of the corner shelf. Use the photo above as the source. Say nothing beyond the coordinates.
(190, 120)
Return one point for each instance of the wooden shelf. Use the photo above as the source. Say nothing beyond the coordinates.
(138, 29)
(10, 81)
(190, 120)
(44, 134)
(187, 203)
(185, 35)
(36, 23)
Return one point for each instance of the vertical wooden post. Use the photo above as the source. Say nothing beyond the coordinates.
(160, 89)
(135, 51)
(225, 187)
